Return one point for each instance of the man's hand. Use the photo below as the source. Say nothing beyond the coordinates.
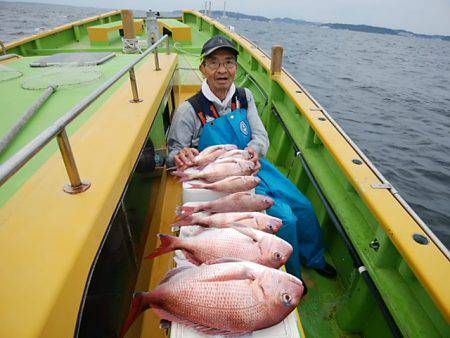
(185, 157)
(254, 159)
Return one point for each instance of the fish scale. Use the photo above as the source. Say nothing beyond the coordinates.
(223, 301)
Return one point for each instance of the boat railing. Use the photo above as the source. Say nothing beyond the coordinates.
(58, 129)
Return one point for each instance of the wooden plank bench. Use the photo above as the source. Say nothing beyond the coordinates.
(179, 30)
(101, 34)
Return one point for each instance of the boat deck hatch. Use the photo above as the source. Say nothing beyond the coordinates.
(79, 59)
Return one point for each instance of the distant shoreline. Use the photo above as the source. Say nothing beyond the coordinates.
(342, 26)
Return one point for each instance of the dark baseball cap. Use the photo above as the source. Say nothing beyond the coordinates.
(216, 43)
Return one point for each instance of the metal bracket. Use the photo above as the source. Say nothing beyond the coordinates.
(381, 186)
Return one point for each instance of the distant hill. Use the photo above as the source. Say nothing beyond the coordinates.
(350, 27)
(382, 30)
(290, 20)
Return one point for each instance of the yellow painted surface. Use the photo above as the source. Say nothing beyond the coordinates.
(178, 33)
(184, 92)
(169, 197)
(59, 29)
(48, 239)
(427, 262)
(100, 33)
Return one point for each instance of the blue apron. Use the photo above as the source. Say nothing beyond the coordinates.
(300, 226)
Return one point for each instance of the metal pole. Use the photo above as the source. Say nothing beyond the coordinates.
(76, 185)
(134, 89)
(156, 59)
(277, 60)
(128, 23)
(2, 45)
(152, 27)
(167, 46)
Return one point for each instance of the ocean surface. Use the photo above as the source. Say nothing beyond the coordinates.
(391, 94)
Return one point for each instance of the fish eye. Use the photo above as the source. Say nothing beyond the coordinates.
(287, 299)
(277, 256)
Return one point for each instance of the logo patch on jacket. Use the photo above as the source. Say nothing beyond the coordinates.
(243, 127)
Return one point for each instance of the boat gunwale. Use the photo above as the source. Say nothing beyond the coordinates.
(408, 250)
(59, 29)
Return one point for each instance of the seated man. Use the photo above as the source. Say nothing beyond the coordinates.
(223, 114)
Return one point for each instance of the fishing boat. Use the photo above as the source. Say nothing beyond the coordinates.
(85, 110)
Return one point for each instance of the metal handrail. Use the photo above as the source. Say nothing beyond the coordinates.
(57, 129)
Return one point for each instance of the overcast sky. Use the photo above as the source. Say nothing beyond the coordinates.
(419, 16)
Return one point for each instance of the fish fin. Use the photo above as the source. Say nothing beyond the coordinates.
(182, 175)
(172, 273)
(183, 211)
(224, 260)
(178, 172)
(200, 167)
(167, 245)
(179, 213)
(190, 258)
(200, 230)
(182, 221)
(197, 186)
(196, 326)
(245, 230)
(187, 211)
(163, 314)
(137, 307)
(241, 272)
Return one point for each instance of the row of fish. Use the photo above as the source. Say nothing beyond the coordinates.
(234, 285)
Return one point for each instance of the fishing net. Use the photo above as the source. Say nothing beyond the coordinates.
(61, 76)
(8, 73)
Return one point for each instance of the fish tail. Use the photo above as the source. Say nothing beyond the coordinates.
(183, 221)
(182, 175)
(184, 211)
(179, 211)
(167, 245)
(137, 307)
(197, 186)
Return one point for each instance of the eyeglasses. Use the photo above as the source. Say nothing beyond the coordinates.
(215, 64)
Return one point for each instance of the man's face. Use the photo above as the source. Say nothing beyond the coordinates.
(219, 69)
